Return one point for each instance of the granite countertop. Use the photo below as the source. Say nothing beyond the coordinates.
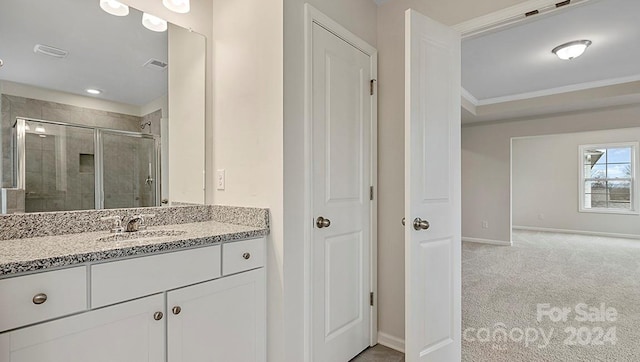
(38, 253)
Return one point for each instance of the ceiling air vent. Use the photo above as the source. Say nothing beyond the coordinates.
(155, 64)
(50, 51)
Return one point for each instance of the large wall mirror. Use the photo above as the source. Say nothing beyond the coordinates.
(98, 110)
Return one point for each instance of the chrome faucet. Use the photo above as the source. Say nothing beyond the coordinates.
(136, 222)
(128, 223)
(117, 223)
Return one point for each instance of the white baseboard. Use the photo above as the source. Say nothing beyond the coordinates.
(578, 232)
(487, 241)
(391, 341)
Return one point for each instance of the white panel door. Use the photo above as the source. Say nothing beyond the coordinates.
(432, 191)
(126, 332)
(223, 320)
(341, 119)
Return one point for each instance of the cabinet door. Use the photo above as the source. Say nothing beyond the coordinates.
(219, 321)
(124, 332)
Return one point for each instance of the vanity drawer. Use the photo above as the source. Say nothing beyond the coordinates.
(244, 255)
(38, 297)
(118, 281)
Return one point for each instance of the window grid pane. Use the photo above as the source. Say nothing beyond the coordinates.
(608, 178)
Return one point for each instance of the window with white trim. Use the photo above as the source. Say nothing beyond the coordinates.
(608, 181)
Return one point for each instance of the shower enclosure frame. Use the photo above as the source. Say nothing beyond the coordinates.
(98, 132)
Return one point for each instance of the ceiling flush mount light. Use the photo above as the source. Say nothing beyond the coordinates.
(154, 23)
(93, 91)
(571, 50)
(179, 6)
(114, 7)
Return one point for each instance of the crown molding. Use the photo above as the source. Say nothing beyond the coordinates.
(554, 91)
(509, 16)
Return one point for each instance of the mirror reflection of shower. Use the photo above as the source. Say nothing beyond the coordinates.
(63, 166)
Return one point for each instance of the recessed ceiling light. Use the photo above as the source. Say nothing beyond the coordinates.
(154, 23)
(114, 7)
(179, 6)
(1, 63)
(571, 50)
(93, 91)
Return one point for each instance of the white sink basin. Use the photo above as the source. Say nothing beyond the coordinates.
(146, 234)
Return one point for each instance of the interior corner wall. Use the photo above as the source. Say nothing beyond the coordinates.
(390, 43)
(545, 179)
(486, 170)
(359, 17)
(247, 52)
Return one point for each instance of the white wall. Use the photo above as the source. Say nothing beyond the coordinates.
(247, 56)
(186, 144)
(358, 16)
(486, 163)
(390, 41)
(545, 177)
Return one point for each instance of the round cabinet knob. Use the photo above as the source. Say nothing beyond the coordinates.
(246, 256)
(321, 222)
(158, 316)
(176, 310)
(39, 298)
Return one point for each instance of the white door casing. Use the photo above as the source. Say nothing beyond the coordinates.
(341, 116)
(432, 191)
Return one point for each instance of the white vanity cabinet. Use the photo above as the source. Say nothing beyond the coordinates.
(123, 332)
(221, 320)
(194, 313)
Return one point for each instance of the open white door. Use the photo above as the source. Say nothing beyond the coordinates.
(432, 191)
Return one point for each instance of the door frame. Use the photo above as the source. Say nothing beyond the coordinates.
(315, 16)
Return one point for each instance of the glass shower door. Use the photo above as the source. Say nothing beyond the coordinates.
(59, 167)
(129, 169)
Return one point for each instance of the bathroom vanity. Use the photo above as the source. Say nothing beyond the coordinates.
(196, 294)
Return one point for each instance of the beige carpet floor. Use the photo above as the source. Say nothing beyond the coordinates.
(503, 288)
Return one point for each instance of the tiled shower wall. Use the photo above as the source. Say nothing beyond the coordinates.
(14, 106)
(45, 191)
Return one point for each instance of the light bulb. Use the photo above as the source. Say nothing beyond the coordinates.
(178, 6)
(114, 7)
(154, 23)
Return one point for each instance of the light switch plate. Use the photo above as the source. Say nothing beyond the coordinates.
(220, 179)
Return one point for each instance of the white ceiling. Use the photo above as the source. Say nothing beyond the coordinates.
(516, 64)
(105, 51)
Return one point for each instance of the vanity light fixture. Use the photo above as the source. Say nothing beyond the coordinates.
(93, 91)
(154, 23)
(114, 7)
(572, 49)
(178, 6)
